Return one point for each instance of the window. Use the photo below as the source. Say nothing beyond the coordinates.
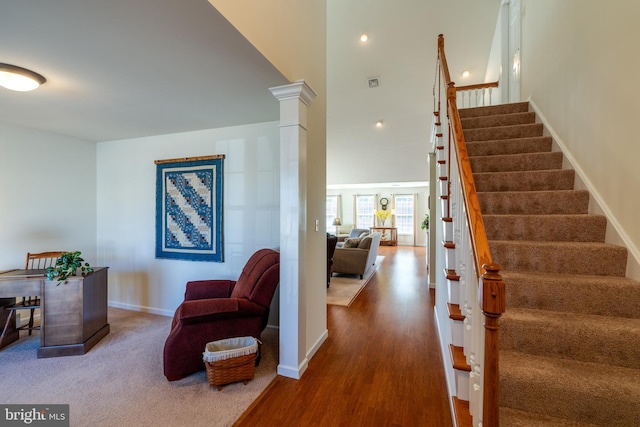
(404, 213)
(332, 211)
(364, 211)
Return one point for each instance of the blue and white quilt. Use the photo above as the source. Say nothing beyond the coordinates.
(189, 210)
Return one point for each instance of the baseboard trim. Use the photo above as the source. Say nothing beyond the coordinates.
(292, 371)
(448, 370)
(133, 307)
(316, 346)
(24, 320)
(633, 263)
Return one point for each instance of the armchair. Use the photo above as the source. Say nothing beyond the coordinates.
(218, 309)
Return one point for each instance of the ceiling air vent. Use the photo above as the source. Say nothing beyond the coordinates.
(373, 82)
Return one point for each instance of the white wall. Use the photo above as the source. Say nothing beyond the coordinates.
(126, 179)
(293, 36)
(348, 219)
(494, 70)
(47, 195)
(578, 59)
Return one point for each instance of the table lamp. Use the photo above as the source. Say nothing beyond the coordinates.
(337, 223)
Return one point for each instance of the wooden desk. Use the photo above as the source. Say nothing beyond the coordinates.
(389, 235)
(73, 315)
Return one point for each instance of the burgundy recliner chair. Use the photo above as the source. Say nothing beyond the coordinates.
(218, 309)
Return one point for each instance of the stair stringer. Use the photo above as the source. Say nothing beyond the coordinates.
(447, 281)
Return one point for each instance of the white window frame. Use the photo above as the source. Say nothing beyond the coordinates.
(364, 207)
(409, 229)
(331, 212)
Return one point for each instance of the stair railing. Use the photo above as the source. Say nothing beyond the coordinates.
(482, 299)
(477, 95)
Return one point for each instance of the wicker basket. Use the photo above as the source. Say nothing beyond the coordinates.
(231, 360)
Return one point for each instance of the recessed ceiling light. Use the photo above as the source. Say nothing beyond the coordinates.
(466, 73)
(17, 78)
(364, 38)
(379, 124)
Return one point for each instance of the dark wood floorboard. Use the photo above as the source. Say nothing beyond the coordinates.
(380, 366)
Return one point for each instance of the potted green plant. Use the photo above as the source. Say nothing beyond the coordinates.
(67, 265)
(425, 222)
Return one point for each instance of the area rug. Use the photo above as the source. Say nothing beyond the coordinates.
(345, 288)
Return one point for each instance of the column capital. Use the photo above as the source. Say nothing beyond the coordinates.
(296, 90)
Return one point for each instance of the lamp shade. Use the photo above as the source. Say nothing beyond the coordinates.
(18, 78)
(337, 221)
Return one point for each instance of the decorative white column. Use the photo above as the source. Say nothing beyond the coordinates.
(294, 99)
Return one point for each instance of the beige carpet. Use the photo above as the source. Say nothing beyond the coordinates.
(345, 288)
(120, 381)
(569, 337)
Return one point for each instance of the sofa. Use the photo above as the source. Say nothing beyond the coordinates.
(354, 232)
(331, 248)
(356, 255)
(342, 231)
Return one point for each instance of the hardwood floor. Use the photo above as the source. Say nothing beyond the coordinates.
(380, 366)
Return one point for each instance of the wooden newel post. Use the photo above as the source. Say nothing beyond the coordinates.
(451, 92)
(492, 301)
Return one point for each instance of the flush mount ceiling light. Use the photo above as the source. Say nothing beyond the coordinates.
(379, 124)
(466, 73)
(364, 38)
(18, 78)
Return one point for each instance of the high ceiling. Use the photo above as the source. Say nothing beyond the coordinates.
(122, 69)
(401, 52)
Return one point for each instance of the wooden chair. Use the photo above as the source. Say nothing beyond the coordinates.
(37, 261)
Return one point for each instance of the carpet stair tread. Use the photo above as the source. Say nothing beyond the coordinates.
(517, 107)
(503, 132)
(588, 294)
(496, 120)
(560, 257)
(513, 418)
(533, 144)
(569, 354)
(572, 227)
(594, 393)
(534, 202)
(576, 336)
(517, 162)
(557, 179)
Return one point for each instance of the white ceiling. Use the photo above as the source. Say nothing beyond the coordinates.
(401, 51)
(123, 69)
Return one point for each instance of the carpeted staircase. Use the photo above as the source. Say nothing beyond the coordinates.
(570, 338)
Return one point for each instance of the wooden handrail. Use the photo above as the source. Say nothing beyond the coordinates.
(480, 244)
(477, 86)
(443, 60)
(491, 290)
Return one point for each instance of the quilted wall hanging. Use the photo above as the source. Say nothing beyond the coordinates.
(189, 208)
